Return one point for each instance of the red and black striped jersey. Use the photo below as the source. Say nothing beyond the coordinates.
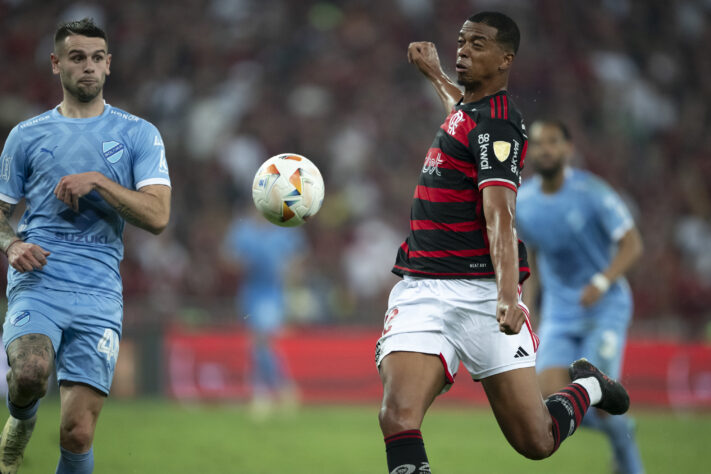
(479, 144)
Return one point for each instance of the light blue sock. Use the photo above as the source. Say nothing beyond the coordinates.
(73, 463)
(24, 413)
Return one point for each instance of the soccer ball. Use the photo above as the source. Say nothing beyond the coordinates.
(288, 189)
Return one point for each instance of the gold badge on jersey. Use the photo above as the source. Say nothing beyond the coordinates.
(502, 150)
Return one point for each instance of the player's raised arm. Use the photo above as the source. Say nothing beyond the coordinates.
(147, 208)
(423, 55)
(500, 212)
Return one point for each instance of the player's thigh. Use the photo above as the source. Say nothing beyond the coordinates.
(30, 328)
(31, 337)
(90, 346)
(411, 382)
(516, 401)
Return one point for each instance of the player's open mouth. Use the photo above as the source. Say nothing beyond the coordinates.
(460, 68)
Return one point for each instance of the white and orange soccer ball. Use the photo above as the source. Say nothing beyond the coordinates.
(288, 189)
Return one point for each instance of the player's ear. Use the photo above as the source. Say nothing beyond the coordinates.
(54, 59)
(108, 64)
(506, 61)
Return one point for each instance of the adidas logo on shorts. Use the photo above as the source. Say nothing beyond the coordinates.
(520, 353)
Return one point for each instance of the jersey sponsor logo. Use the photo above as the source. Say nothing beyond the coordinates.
(432, 163)
(35, 121)
(20, 319)
(483, 141)
(113, 151)
(125, 116)
(82, 238)
(404, 469)
(5, 167)
(502, 150)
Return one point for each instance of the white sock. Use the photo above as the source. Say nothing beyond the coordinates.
(592, 386)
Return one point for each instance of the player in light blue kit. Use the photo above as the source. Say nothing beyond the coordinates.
(582, 240)
(83, 168)
(265, 253)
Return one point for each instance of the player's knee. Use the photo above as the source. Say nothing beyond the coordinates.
(395, 418)
(30, 378)
(75, 436)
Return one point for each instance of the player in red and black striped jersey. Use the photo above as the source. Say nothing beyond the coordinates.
(462, 264)
(480, 144)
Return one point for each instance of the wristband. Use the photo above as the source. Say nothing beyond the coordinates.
(601, 282)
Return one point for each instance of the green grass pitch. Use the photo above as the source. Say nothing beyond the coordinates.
(152, 436)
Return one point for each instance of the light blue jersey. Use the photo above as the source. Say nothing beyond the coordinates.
(574, 234)
(265, 251)
(86, 246)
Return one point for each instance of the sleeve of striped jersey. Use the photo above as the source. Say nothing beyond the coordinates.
(497, 146)
(611, 210)
(12, 168)
(150, 165)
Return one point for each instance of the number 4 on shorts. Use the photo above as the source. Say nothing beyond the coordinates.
(109, 345)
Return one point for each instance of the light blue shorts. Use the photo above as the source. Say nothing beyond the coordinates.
(84, 329)
(599, 336)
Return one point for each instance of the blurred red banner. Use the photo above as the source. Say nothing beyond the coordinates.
(337, 365)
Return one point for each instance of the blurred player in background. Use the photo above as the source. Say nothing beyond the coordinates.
(265, 253)
(584, 241)
(462, 266)
(84, 169)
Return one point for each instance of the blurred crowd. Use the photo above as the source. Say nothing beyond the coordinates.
(231, 82)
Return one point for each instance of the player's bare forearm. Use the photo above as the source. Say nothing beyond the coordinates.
(629, 250)
(7, 233)
(503, 247)
(500, 211)
(423, 55)
(147, 208)
(448, 92)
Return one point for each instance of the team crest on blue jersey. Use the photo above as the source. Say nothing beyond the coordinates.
(113, 151)
(20, 319)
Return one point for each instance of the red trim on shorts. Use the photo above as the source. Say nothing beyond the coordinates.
(534, 337)
(447, 373)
